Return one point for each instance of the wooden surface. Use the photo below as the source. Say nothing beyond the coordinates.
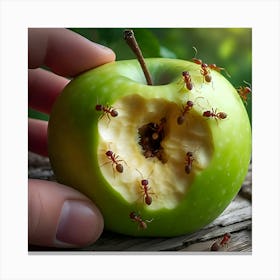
(236, 220)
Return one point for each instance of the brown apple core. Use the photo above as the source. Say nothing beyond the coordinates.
(151, 136)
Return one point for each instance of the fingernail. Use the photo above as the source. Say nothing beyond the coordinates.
(78, 223)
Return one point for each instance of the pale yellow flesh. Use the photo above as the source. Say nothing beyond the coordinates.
(168, 181)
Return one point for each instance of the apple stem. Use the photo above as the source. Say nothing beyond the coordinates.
(131, 41)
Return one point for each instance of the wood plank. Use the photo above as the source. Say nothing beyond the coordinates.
(236, 219)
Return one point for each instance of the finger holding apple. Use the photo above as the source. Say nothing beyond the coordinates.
(118, 140)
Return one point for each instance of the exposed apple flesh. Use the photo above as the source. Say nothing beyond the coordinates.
(193, 168)
(165, 168)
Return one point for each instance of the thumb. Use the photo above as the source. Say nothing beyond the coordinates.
(60, 216)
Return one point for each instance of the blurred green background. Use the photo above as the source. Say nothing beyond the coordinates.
(230, 48)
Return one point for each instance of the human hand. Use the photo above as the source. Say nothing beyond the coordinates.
(58, 215)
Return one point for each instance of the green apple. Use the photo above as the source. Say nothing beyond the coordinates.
(158, 160)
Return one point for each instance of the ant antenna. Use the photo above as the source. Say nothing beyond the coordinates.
(195, 49)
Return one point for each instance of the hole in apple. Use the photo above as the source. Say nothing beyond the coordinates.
(151, 136)
(147, 140)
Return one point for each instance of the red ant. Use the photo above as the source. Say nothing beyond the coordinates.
(189, 162)
(244, 92)
(138, 219)
(187, 80)
(214, 114)
(196, 60)
(115, 161)
(218, 69)
(204, 68)
(190, 157)
(186, 109)
(145, 189)
(205, 73)
(108, 110)
(225, 239)
(217, 245)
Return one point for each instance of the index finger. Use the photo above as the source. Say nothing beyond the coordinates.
(65, 52)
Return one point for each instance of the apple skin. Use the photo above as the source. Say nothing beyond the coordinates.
(73, 138)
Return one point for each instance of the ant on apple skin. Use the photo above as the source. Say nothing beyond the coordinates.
(187, 79)
(138, 219)
(106, 110)
(218, 69)
(205, 73)
(217, 245)
(214, 114)
(205, 68)
(244, 91)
